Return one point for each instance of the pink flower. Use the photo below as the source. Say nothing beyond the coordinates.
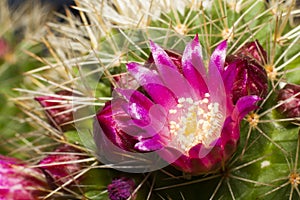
(181, 112)
(59, 111)
(19, 182)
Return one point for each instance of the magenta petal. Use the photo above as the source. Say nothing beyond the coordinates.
(217, 58)
(150, 144)
(108, 127)
(139, 104)
(161, 95)
(215, 81)
(160, 57)
(170, 74)
(192, 56)
(149, 117)
(230, 133)
(230, 137)
(59, 112)
(193, 67)
(196, 163)
(143, 75)
(177, 83)
(243, 106)
(153, 85)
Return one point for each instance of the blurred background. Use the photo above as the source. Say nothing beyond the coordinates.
(23, 24)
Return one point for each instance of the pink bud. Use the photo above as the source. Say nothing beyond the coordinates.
(60, 166)
(19, 182)
(58, 109)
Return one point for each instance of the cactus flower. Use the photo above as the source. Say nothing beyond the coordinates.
(121, 189)
(19, 182)
(59, 113)
(184, 114)
(251, 77)
(291, 95)
(59, 167)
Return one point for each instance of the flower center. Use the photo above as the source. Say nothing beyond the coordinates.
(193, 122)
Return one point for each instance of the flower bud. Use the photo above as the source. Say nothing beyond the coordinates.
(19, 182)
(59, 111)
(253, 50)
(291, 95)
(59, 167)
(250, 76)
(121, 189)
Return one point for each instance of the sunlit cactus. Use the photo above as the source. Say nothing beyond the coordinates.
(115, 61)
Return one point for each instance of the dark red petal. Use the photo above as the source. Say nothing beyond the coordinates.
(255, 51)
(250, 77)
(290, 94)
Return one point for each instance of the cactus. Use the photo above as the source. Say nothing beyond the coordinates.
(88, 58)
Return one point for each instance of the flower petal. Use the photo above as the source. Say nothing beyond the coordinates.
(243, 106)
(215, 81)
(150, 144)
(138, 104)
(230, 137)
(153, 85)
(170, 74)
(160, 57)
(217, 58)
(192, 55)
(20, 181)
(193, 67)
(146, 115)
(143, 75)
(107, 127)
